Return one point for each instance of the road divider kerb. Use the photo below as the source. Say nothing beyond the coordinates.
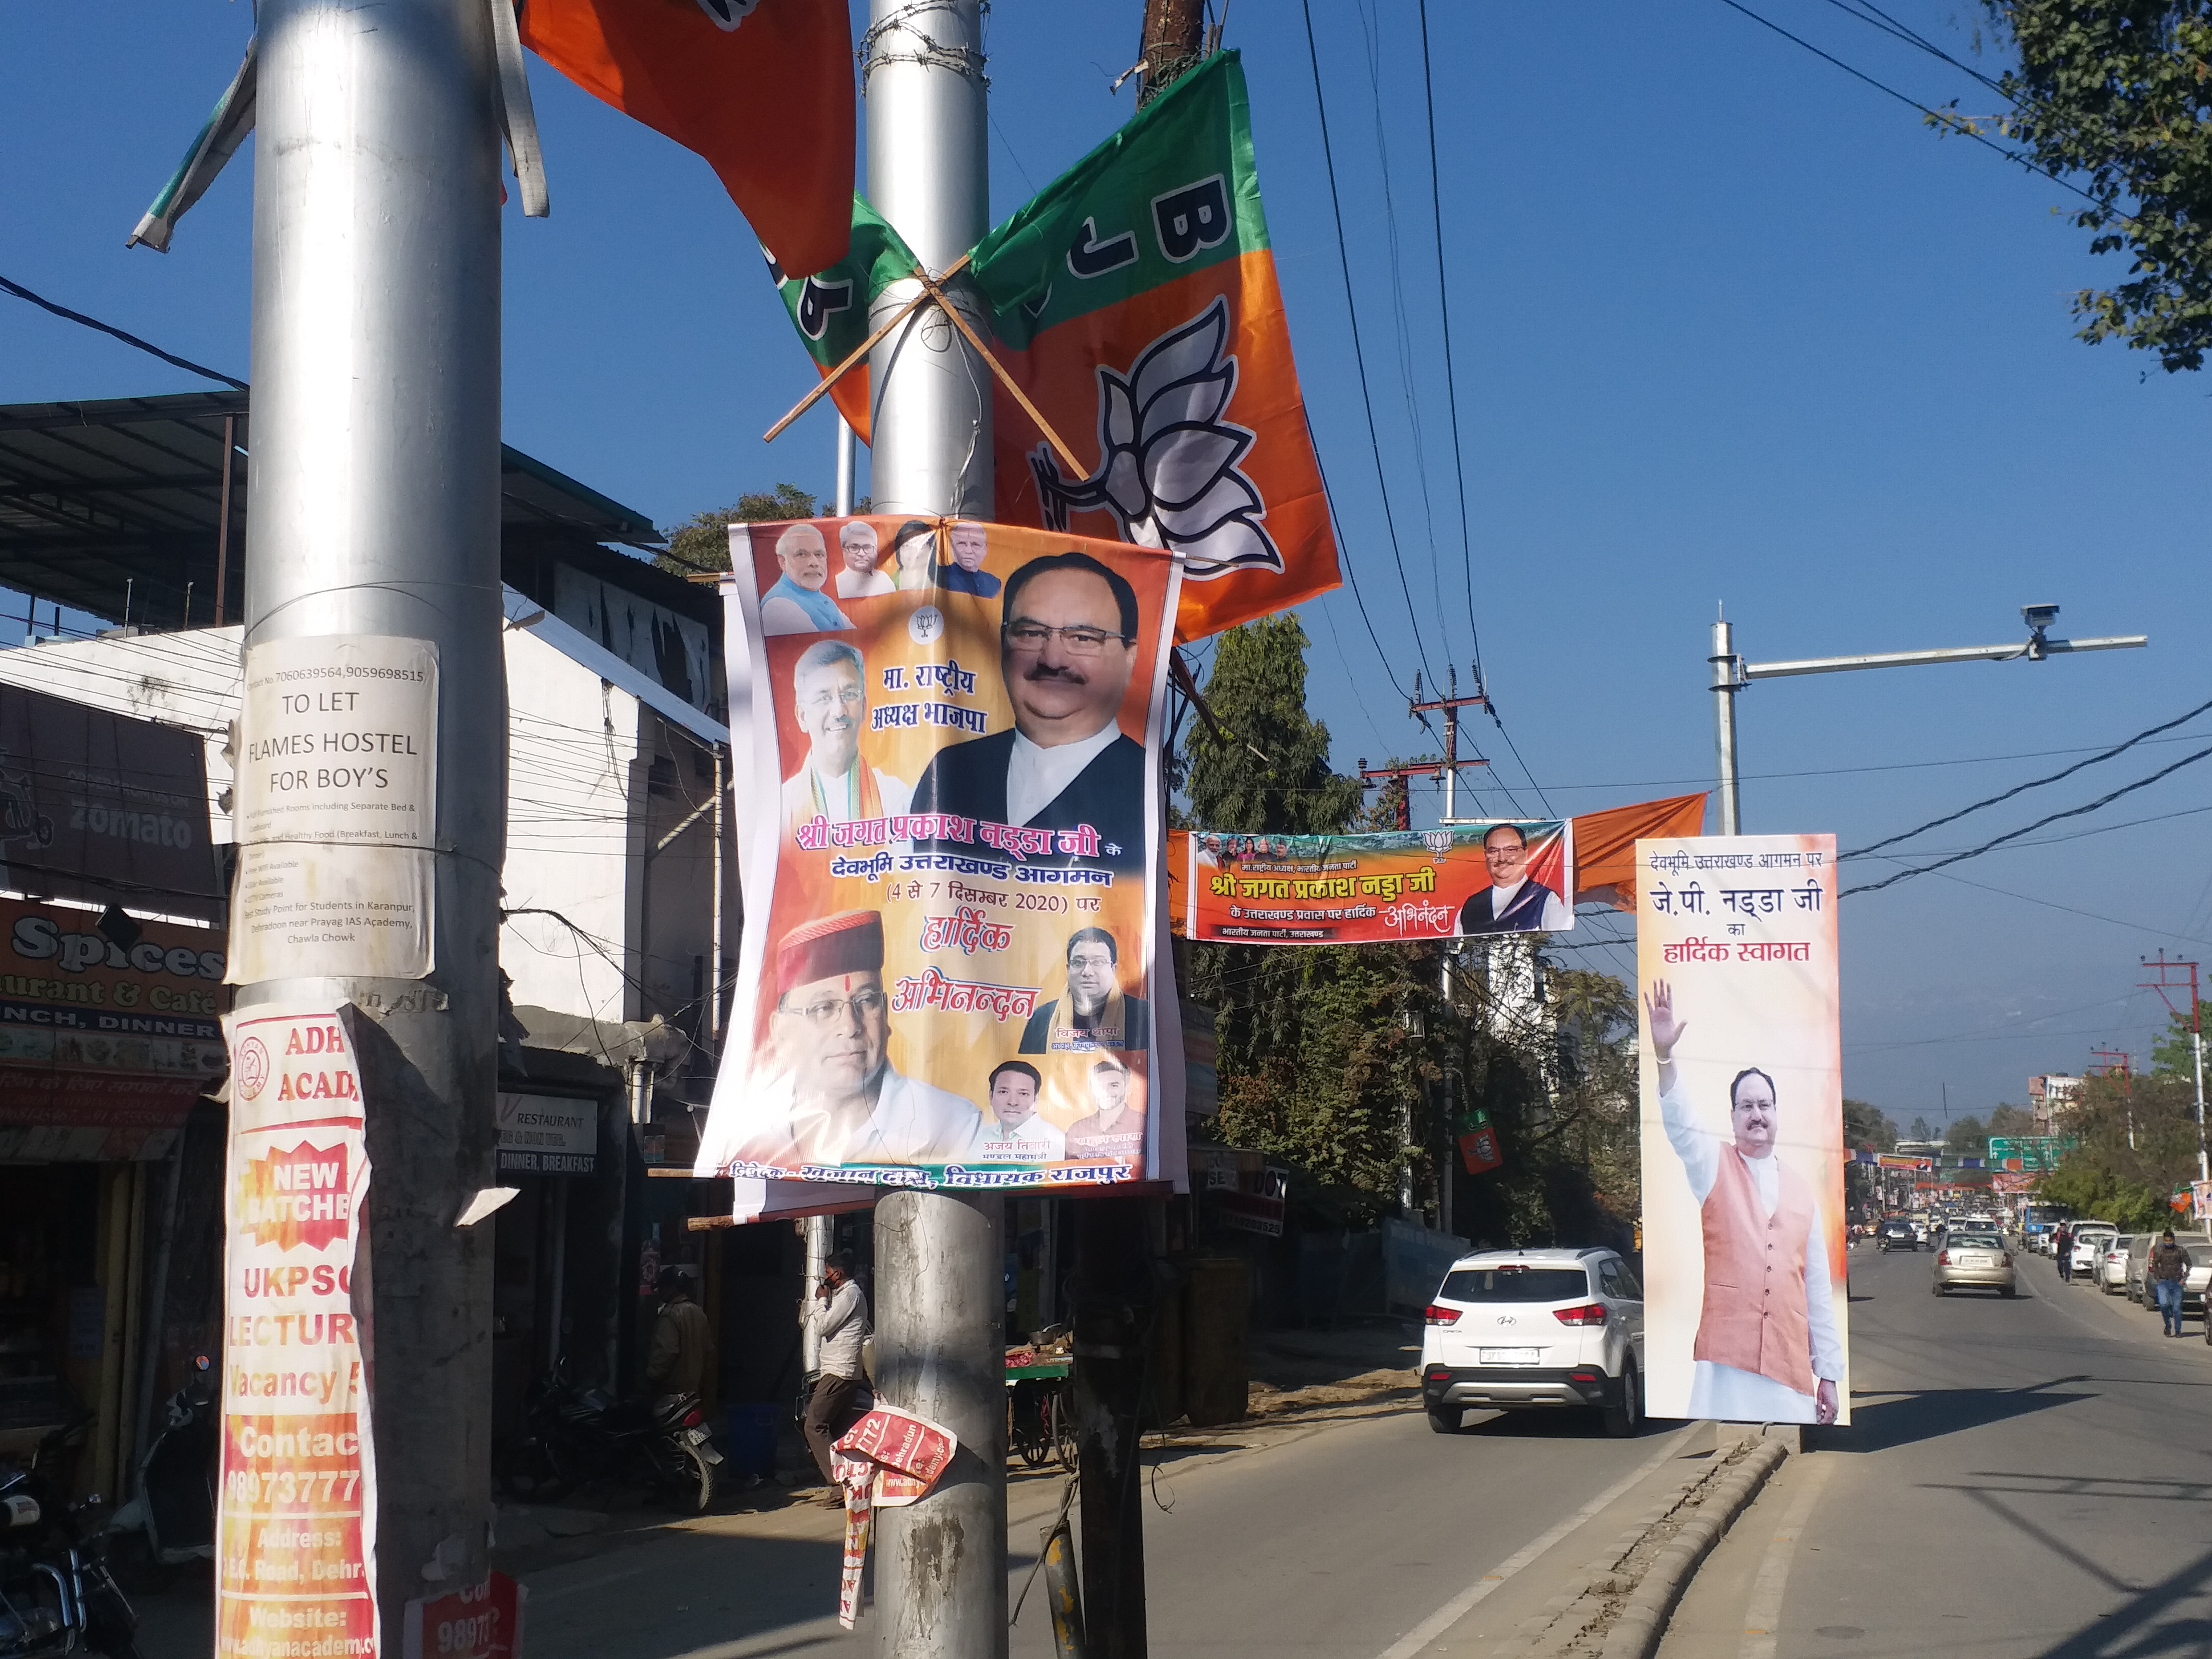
(1641, 1620)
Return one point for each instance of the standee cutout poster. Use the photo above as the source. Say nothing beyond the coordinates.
(1746, 1313)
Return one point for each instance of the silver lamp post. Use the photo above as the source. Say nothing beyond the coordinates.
(1731, 673)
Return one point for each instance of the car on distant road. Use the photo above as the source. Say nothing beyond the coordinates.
(2111, 1274)
(1973, 1261)
(2138, 1265)
(1522, 1330)
(2090, 1240)
(1895, 1234)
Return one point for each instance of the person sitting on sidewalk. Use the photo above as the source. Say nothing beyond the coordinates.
(2167, 1266)
(841, 1323)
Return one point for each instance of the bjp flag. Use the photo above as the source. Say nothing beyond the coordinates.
(1134, 300)
(829, 308)
(762, 89)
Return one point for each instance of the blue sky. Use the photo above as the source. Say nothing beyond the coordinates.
(1729, 326)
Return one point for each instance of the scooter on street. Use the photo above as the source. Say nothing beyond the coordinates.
(574, 1435)
(55, 1594)
(171, 1521)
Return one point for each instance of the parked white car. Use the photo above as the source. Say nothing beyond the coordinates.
(1512, 1329)
(2091, 1240)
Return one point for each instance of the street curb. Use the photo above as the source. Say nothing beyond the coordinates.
(1636, 1630)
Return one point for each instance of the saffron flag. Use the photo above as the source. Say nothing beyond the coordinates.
(1134, 300)
(762, 89)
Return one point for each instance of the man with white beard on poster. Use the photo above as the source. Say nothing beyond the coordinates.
(1767, 1348)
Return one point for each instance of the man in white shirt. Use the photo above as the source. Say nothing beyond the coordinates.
(1068, 646)
(838, 1099)
(1512, 904)
(1767, 1349)
(830, 703)
(1014, 1133)
(860, 579)
(841, 1323)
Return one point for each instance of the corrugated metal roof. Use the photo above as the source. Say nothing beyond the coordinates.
(128, 491)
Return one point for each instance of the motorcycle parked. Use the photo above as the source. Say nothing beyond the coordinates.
(574, 1435)
(171, 1521)
(55, 1594)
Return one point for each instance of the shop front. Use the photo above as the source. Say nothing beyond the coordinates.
(109, 1034)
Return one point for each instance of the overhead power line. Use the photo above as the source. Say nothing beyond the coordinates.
(2034, 783)
(1358, 356)
(1879, 20)
(1949, 123)
(129, 339)
(2014, 835)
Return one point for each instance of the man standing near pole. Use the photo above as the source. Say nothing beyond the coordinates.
(840, 1326)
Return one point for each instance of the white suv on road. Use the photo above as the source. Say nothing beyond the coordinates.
(1516, 1329)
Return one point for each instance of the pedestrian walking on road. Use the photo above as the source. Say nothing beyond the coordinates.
(2061, 1246)
(842, 1322)
(2167, 1269)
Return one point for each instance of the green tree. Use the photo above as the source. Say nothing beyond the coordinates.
(2117, 94)
(2012, 1121)
(1967, 1137)
(2174, 1054)
(702, 543)
(1920, 1129)
(1265, 766)
(2136, 1142)
(1869, 1127)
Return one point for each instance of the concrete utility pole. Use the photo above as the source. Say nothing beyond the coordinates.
(374, 497)
(2161, 985)
(1449, 706)
(940, 1302)
(1731, 673)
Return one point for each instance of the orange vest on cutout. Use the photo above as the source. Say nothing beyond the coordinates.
(1754, 1313)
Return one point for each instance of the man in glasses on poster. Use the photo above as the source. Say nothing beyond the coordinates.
(839, 1099)
(1067, 646)
(1767, 1348)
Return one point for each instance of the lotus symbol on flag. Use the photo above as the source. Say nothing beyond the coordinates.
(1169, 471)
(728, 14)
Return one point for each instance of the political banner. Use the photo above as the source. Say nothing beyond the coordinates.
(950, 800)
(1134, 301)
(296, 1499)
(1745, 1303)
(1498, 876)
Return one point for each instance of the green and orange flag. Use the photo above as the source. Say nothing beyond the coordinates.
(1135, 303)
(1134, 300)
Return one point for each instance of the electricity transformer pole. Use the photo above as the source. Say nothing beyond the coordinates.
(2161, 985)
(373, 495)
(941, 1572)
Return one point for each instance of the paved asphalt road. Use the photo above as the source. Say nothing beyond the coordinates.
(1336, 1544)
(2023, 1478)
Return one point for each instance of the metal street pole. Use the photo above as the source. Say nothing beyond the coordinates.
(374, 496)
(940, 1304)
(1731, 673)
(1725, 664)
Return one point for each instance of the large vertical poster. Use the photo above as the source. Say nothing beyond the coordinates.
(946, 978)
(296, 1515)
(1746, 1309)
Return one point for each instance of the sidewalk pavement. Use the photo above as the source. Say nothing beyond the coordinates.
(1304, 1382)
